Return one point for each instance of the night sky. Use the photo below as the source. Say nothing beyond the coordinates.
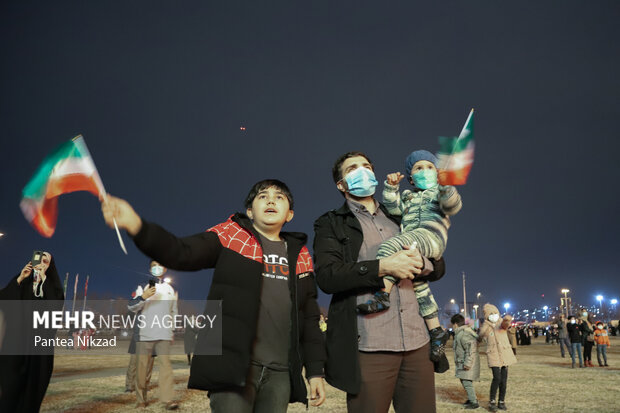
(160, 91)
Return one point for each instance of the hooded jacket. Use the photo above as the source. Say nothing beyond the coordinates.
(499, 350)
(233, 249)
(466, 353)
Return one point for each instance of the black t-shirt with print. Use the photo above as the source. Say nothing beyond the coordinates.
(271, 345)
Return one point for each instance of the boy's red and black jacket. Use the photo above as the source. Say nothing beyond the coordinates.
(233, 249)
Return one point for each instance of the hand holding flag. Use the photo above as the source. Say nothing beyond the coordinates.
(118, 211)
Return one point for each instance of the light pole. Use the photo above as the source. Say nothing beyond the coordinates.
(506, 307)
(599, 298)
(613, 303)
(475, 315)
(546, 316)
(565, 302)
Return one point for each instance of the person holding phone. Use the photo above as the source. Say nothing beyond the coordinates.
(24, 376)
(156, 301)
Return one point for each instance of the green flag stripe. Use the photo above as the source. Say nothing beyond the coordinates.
(35, 188)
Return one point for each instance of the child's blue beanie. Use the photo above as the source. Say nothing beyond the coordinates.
(416, 156)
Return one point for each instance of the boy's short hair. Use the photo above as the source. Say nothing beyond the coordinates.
(336, 174)
(457, 319)
(266, 184)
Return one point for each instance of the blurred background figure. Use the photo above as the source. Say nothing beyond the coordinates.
(24, 378)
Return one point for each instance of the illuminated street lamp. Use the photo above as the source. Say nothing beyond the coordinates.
(546, 316)
(599, 298)
(564, 301)
(506, 306)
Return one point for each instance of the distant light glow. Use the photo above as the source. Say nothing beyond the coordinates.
(168, 280)
(545, 308)
(506, 306)
(614, 301)
(599, 298)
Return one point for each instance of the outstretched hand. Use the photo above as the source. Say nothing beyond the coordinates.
(119, 209)
(395, 178)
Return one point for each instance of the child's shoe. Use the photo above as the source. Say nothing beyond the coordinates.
(439, 337)
(501, 405)
(380, 301)
(492, 406)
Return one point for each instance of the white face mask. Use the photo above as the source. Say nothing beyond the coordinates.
(573, 321)
(157, 270)
(600, 327)
(493, 318)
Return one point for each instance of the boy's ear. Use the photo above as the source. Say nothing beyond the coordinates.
(248, 212)
(289, 215)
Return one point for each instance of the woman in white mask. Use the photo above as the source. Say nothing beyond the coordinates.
(499, 353)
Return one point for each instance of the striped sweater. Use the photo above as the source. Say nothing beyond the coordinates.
(428, 209)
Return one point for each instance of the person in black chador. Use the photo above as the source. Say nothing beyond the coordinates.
(24, 375)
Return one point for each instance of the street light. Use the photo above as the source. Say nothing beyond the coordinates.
(506, 306)
(546, 316)
(599, 298)
(565, 291)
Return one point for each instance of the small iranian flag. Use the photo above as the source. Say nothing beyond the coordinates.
(68, 169)
(456, 155)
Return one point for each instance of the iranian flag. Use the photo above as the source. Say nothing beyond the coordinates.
(456, 155)
(68, 169)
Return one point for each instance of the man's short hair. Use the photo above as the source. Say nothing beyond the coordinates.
(336, 173)
(266, 184)
(457, 319)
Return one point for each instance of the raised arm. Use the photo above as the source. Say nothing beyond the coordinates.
(391, 193)
(187, 254)
(449, 200)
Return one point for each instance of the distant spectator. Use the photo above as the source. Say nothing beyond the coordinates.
(466, 358)
(563, 336)
(574, 334)
(602, 342)
(499, 354)
(587, 333)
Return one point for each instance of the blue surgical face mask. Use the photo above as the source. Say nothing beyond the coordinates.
(584, 314)
(157, 270)
(361, 182)
(425, 179)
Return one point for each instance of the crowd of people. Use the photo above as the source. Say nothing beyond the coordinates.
(383, 344)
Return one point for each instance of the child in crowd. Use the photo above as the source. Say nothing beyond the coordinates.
(499, 353)
(425, 212)
(602, 342)
(466, 358)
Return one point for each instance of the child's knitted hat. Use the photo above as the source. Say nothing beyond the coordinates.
(416, 156)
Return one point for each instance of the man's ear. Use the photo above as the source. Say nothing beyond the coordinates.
(341, 187)
(248, 212)
(289, 215)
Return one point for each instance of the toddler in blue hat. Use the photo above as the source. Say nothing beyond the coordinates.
(425, 212)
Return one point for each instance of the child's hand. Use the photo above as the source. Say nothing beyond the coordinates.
(395, 178)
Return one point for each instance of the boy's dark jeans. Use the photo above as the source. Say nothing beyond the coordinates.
(565, 342)
(500, 377)
(266, 391)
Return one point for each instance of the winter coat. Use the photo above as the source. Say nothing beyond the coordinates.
(499, 350)
(466, 353)
(233, 249)
(337, 242)
(574, 332)
(601, 337)
(512, 336)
